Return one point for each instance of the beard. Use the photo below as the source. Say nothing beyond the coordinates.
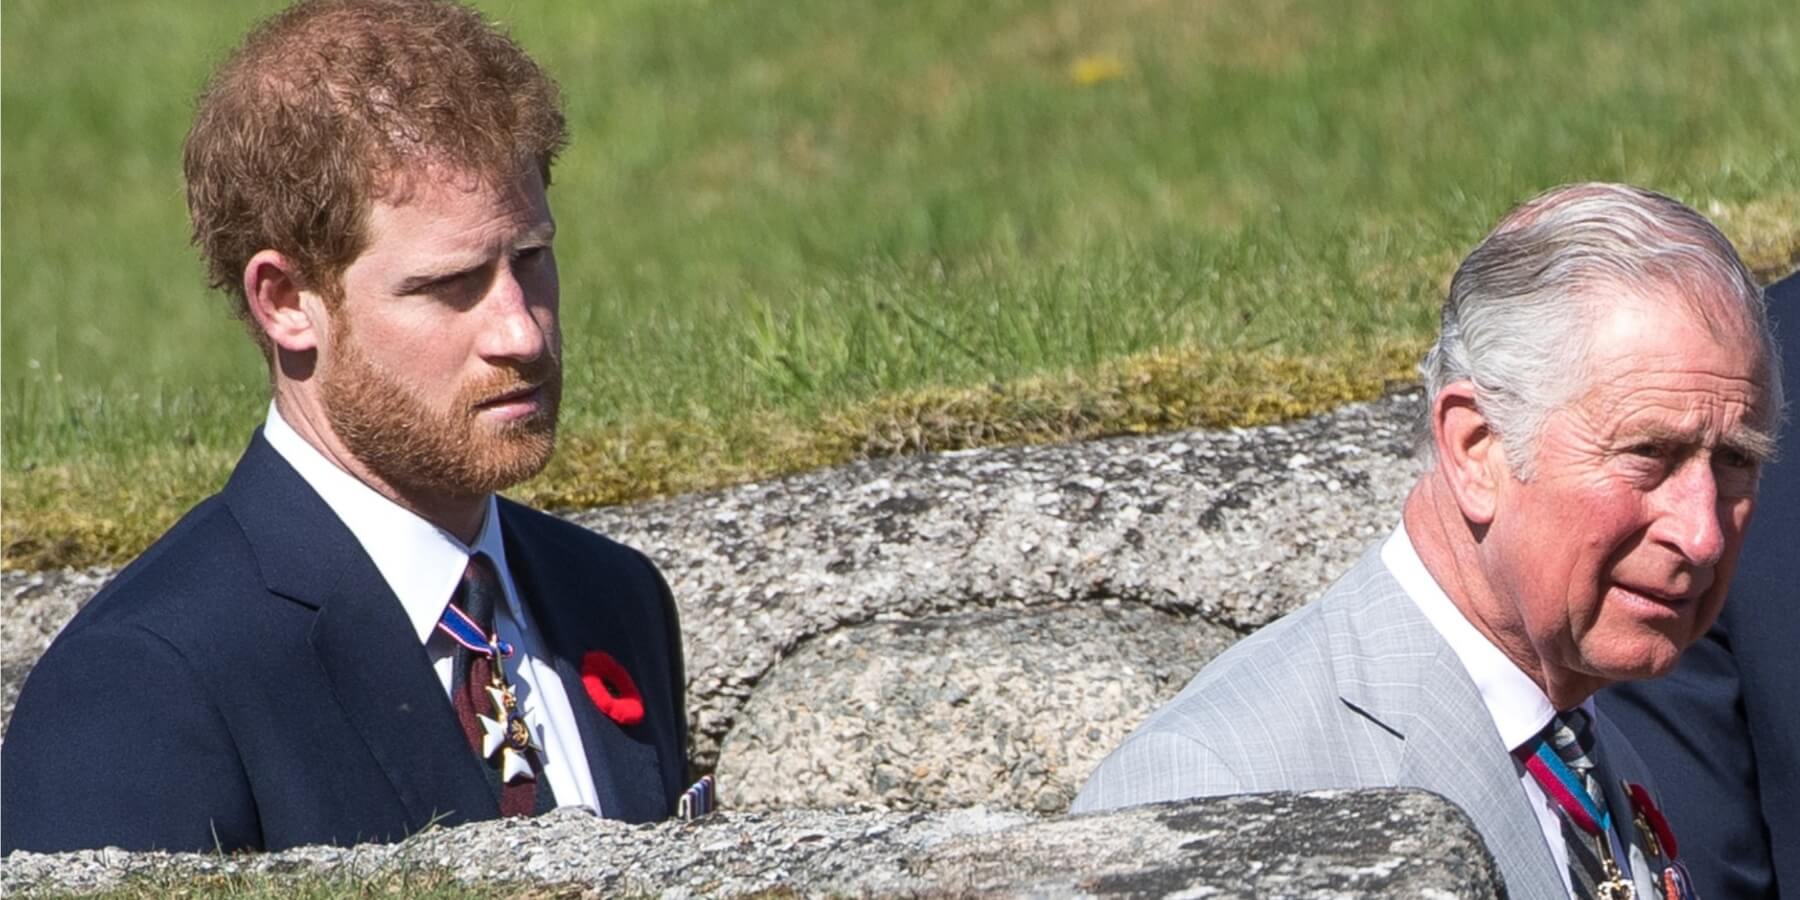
(451, 452)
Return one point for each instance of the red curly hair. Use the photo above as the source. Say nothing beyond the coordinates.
(334, 104)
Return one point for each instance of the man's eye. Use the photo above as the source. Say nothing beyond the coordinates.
(530, 254)
(447, 282)
(1650, 451)
(1734, 459)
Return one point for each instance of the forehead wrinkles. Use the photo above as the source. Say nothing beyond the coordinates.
(1666, 357)
(1693, 407)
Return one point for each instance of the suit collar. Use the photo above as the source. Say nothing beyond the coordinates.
(1380, 642)
(1516, 704)
(1616, 763)
(538, 579)
(420, 561)
(289, 528)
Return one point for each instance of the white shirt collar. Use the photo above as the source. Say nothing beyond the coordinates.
(421, 562)
(1520, 709)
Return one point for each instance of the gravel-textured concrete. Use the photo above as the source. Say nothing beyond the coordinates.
(1003, 708)
(1327, 844)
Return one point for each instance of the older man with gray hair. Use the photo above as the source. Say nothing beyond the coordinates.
(1603, 390)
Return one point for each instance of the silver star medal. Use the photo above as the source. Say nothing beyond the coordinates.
(507, 735)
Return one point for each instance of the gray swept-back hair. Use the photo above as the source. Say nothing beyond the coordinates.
(1518, 319)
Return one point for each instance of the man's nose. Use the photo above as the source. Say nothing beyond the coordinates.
(1689, 518)
(513, 329)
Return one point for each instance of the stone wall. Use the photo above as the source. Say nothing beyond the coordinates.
(981, 627)
(1364, 844)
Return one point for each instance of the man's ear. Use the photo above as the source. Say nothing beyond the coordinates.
(284, 311)
(1469, 454)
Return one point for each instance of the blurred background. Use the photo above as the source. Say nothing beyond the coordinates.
(794, 233)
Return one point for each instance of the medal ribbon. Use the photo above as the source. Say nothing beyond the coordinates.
(465, 632)
(1564, 788)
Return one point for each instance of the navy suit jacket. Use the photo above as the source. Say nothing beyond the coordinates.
(252, 682)
(1722, 732)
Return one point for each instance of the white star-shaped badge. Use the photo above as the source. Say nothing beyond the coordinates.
(509, 736)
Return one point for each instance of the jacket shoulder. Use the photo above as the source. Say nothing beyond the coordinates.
(1294, 662)
(199, 563)
(1267, 714)
(1285, 665)
(133, 671)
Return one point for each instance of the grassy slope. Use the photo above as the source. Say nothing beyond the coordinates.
(794, 233)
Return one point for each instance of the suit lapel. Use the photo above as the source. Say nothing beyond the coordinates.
(1453, 748)
(384, 682)
(573, 619)
(379, 673)
(1393, 667)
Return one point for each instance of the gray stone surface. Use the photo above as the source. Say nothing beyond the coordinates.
(1233, 527)
(1326, 844)
(1002, 708)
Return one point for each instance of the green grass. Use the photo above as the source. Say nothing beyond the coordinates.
(794, 233)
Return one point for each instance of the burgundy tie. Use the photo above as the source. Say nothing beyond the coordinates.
(476, 677)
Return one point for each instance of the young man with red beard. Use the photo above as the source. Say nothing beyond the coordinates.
(356, 637)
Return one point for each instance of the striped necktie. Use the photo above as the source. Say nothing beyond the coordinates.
(1561, 760)
(484, 700)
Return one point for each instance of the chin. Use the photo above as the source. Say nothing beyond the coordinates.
(1653, 659)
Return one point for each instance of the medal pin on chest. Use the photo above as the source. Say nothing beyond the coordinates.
(1616, 886)
(506, 734)
(1615, 889)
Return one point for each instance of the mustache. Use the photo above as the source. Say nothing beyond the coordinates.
(543, 372)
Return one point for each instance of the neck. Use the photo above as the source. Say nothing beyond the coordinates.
(1450, 547)
(461, 516)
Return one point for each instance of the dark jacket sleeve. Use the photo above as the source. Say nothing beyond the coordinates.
(87, 757)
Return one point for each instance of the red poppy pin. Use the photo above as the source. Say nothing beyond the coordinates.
(611, 688)
(1641, 802)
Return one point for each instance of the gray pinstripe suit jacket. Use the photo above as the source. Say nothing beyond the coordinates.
(1354, 690)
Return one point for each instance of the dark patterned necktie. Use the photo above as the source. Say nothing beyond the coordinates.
(478, 689)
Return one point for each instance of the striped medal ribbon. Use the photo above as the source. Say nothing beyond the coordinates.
(1566, 789)
(465, 632)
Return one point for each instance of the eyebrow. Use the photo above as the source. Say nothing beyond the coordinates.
(1754, 443)
(416, 283)
(541, 235)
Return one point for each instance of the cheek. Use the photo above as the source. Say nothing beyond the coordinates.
(546, 317)
(1575, 527)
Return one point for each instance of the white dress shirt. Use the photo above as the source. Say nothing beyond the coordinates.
(1520, 709)
(423, 564)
